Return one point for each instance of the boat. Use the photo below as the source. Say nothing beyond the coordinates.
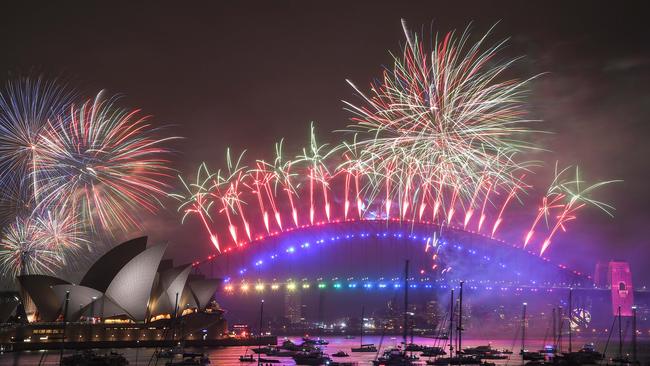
(479, 350)
(90, 358)
(190, 359)
(269, 360)
(590, 349)
(246, 358)
(531, 355)
(549, 350)
(365, 348)
(276, 352)
(169, 352)
(433, 352)
(288, 345)
(394, 357)
(505, 351)
(492, 356)
(309, 341)
(262, 350)
(411, 347)
(340, 354)
(311, 358)
(586, 355)
(537, 363)
(463, 360)
(335, 363)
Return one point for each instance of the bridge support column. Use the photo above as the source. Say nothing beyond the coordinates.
(620, 280)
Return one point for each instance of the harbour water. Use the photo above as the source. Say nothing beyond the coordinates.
(229, 356)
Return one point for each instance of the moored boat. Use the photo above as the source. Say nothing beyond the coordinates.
(311, 358)
(90, 358)
(433, 352)
(340, 354)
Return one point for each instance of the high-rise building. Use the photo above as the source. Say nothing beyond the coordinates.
(292, 306)
(303, 313)
(432, 314)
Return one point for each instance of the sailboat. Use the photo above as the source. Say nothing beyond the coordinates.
(397, 356)
(364, 347)
(459, 359)
(525, 354)
(620, 358)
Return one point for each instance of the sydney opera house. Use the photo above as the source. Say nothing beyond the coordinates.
(129, 295)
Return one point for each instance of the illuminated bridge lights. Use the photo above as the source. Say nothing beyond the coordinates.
(245, 286)
(305, 245)
(298, 247)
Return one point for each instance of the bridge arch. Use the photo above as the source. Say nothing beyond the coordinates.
(370, 253)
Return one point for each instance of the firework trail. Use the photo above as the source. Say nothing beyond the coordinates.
(315, 156)
(577, 195)
(197, 200)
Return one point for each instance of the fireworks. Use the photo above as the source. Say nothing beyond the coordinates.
(444, 118)
(106, 161)
(69, 171)
(439, 140)
(26, 107)
(36, 244)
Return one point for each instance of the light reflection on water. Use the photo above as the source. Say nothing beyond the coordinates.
(229, 356)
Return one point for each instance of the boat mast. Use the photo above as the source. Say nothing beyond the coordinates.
(259, 339)
(620, 335)
(634, 360)
(523, 328)
(451, 324)
(362, 325)
(65, 321)
(406, 302)
(174, 320)
(570, 318)
(460, 319)
(554, 332)
(560, 314)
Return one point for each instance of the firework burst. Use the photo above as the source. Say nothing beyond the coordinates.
(107, 162)
(444, 117)
(24, 249)
(26, 107)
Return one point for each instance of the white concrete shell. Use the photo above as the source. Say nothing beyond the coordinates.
(80, 298)
(131, 288)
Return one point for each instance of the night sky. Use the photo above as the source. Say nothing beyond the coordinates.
(245, 74)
